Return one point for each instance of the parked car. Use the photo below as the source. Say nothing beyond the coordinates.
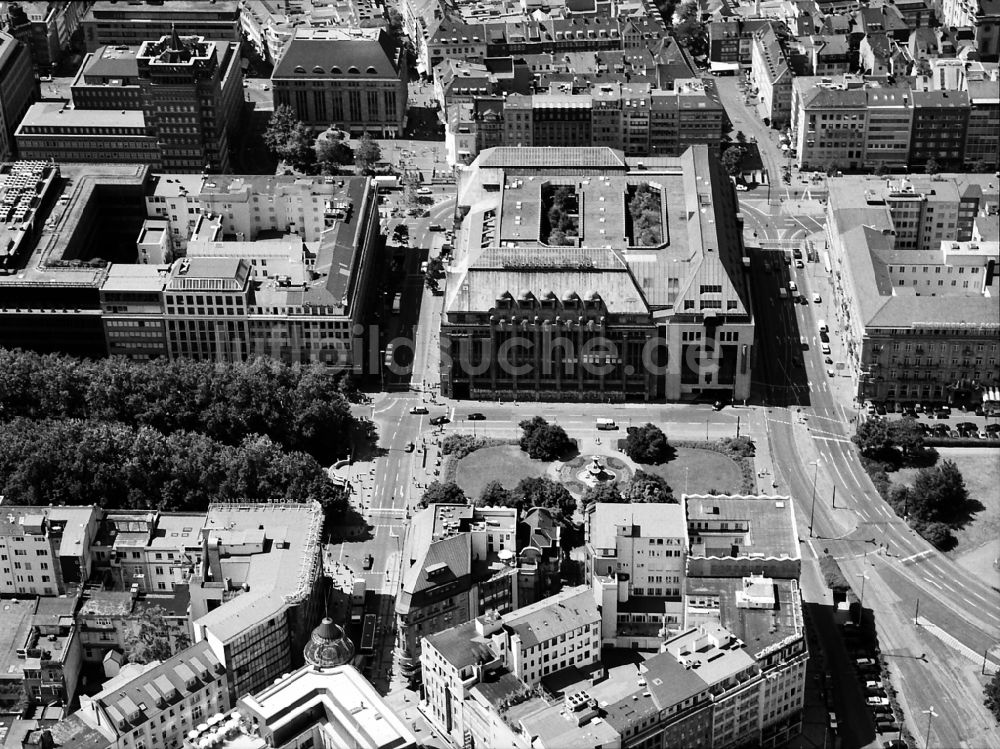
(942, 413)
(369, 562)
(792, 286)
(886, 726)
(440, 421)
(894, 744)
(833, 720)
(872, 701)
(418, 410)
(425, 191)
(799, 264)
(410, 447)
(880, 409)
(742, 188)
(817, 299)
(828, 360)
(865, 662)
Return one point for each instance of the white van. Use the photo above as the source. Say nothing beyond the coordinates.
(606, 424)
(822, 327)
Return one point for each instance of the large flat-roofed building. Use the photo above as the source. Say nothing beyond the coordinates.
(915, 290)
(18, 89)
(329, 707)
(110, 22)
(54, 131)
(257, 593)
(734, 536)
(352, 78)
(600, 306)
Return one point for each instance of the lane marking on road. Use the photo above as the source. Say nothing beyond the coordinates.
(913, 558)
(933, 582)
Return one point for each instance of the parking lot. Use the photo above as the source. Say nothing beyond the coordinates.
(941, 421)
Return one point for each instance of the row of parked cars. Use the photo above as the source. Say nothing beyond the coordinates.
(864, 652)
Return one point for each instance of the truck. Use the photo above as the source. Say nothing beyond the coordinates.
(396, 302)
(606, 424)
(386, 181)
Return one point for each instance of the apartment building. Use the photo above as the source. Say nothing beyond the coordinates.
(689, 296)
(257, 593)
(108, 78)
(635, 554)
(46, 26)
(45, 550)
(730, 40)
(18, 89)
(148, 552)
(915, 291)
(549, 636)
(111, 22)
(830, 123)
(352, 78)
(459, 562)
(940, 122)
(983, 87)
(772, 76)
(131, 299)
(156, 704)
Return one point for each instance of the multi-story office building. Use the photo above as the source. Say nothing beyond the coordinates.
(191, 93)
(156, 704)
(596, 281)
(45, 550)
(940, 122)
(915, 293)
(110, 22)
(18, 89)
(132, 311)
(256, 594)
(635, 554)
(772, 75)
(46, 26)
(352, 78)
(830, 123)
(108, 78)
(730, 40)
(172, 104)
(458, 562)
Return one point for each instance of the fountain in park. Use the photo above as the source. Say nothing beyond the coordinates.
(596, 473)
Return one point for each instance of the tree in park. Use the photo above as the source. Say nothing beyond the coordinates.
(647, 444)
(648, 487)
(991, 694)
(543, 441)
(494, 495)
(543, 492)
(935, 533)
(289, 139)
(732, 160)
(606, 492)
(443, 492)
(148, 638)
(367, 154)
(939, 492)
(873, 436)
(332, 154)
(906, 434)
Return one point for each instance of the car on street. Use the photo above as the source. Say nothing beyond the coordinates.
(817, 299)
(894, 744)
(369, 562)
(872, 701)
(886, 726)
(828, 360)
(792, 286)
(409, 447)
(425, 191)
(742, 188)
(476, 417)
(966, 428)
(440, 421)
(942, 413)
(833, 720)
(418, 410)
(830, 373)
(799, 264)
(940, 430)
(435, 227)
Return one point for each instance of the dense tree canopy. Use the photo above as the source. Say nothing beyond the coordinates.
(494, 495)
(648, 487)
(299, 408)
(605, 491)
(732, 160)
(77, 462)
(991, 692)
(543, 492)
(148, 638)
(647, 444)
(290, 139)
(873, 436)
(647, 219)
(367, 154)
(443, 492)
(544, 441)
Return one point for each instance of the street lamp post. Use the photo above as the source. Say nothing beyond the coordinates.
(930, 714)
(861, 603)
(812, 512)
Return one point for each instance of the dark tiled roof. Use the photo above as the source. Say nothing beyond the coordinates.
(333, 58)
